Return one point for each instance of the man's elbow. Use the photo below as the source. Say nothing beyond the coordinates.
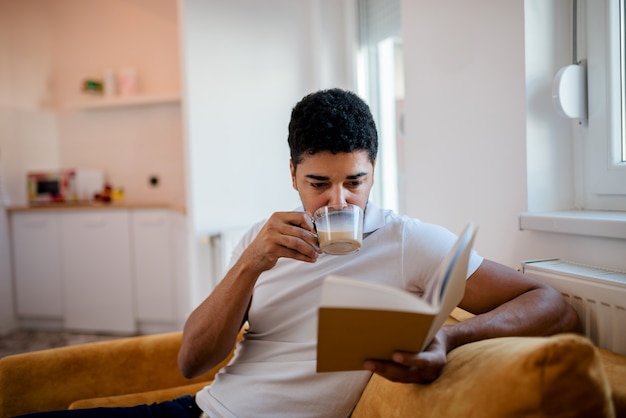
(192, 363)
(186, 367)
(569, 321)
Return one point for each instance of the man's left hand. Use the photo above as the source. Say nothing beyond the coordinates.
(407, 367)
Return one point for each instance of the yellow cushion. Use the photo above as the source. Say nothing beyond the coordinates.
(559, 376)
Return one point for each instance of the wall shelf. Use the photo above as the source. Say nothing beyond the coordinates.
(99, 102)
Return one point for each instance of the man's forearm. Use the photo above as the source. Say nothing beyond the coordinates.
(212, 328)
(538, 312)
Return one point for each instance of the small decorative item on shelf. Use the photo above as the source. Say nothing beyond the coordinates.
(110, 83)
(128, 82)
(122, 83)
(91, 85)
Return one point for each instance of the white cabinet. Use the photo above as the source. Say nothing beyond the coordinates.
(155, 297)
(158, 247)
(37, 265)
(96, 259)
(119, 270)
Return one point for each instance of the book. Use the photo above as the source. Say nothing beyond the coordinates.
(360, 320)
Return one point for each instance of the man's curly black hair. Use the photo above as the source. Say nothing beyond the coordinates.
(331, 120)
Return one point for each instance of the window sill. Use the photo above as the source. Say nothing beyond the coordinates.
(588, 223)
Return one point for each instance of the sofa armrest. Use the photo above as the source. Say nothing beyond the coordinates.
(53, 379)
(159, 395)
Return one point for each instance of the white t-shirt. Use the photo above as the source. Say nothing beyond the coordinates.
(273, 372)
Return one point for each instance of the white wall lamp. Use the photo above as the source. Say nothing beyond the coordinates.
(569, 87)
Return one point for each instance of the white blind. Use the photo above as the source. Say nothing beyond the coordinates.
(380, 19)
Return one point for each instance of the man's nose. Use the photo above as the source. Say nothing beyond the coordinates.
(337, 196)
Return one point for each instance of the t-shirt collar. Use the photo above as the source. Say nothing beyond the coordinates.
(374, 218)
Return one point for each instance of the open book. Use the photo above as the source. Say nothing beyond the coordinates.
(360, 321)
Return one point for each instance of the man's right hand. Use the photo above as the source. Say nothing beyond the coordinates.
(285, 234)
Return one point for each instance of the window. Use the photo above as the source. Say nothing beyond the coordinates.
(381, 84)
(603, 141)
(572, 166)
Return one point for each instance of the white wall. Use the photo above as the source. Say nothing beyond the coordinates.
(246, 64)
(28, 123)
(466, 126)
(548, 48)
(465, 117)
(131, 144)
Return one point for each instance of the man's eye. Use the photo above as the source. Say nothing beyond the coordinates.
(355, 183)
(317, 185)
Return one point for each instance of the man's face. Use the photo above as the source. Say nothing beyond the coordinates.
(331, 179)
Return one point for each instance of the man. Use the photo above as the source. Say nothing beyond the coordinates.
(276, 274)
(277, 269)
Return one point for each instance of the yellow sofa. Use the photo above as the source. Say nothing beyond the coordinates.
(559, 376)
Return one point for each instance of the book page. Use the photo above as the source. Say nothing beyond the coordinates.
(454, 275)
(344, 292)
(446, 270)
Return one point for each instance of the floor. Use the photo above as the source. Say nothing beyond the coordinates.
(23, 341)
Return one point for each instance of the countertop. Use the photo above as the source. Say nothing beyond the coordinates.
(94, 206)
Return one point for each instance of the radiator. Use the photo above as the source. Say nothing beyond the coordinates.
(220, 245)
(598, 295)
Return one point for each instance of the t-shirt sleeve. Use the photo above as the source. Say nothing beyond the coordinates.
(425, 245)
(243, 243)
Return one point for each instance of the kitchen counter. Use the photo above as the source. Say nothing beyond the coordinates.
(94, 205)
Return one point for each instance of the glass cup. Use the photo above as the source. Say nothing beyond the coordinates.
(339, 228)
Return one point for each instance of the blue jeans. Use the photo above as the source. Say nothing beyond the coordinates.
(181, 407)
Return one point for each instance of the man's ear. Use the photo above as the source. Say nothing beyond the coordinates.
(292, 169)
(373, 169)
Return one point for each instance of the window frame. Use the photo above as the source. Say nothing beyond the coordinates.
(603, 182)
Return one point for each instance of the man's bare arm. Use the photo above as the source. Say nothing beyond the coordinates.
(212, 328)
